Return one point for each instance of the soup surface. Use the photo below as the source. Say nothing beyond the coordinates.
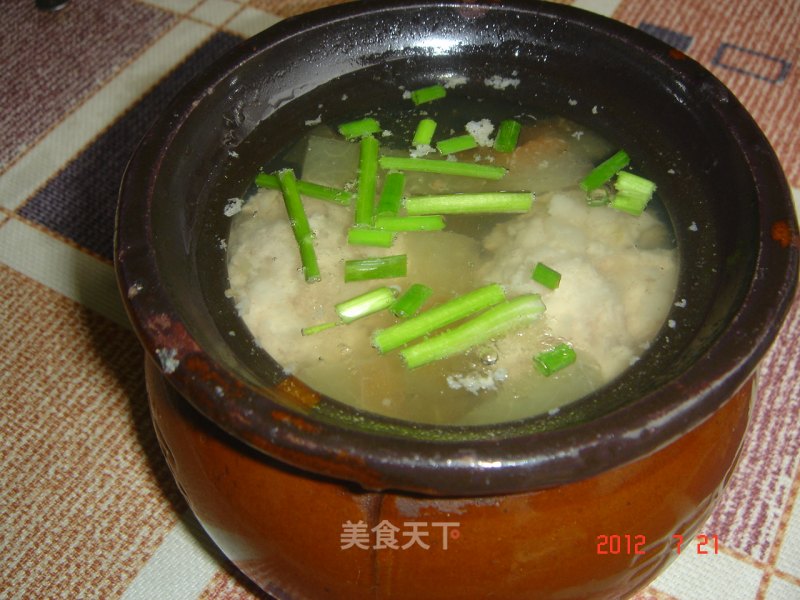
(618, 274)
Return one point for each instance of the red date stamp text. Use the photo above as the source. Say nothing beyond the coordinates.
(628, 544)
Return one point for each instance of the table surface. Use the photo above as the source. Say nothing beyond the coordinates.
(88, 506)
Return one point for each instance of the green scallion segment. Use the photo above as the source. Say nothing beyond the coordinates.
(633, 193)
(424, 133)
(383, 267)
(356, 129)
(269, 181)
(317, 328)
(555, 359)
(605, 171)
(365, 304)
(415, 223)
(599, 196)
(456, 144)
(411, 301)
(442, 167)
(300, 227)
(391, 194)
(367, 180)
(628, 183)
(507, 135)
(494, 322)
(548, 277)
(630, 204)
(365, 236)
(486, 202)
(306, 188)
(427, 94)
(438, 316)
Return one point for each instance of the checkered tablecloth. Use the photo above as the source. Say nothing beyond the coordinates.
(87, 506)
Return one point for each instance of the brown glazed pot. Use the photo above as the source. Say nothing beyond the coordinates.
(601, 537)
(283, 477)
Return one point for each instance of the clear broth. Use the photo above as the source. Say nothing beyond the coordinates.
(619, 274)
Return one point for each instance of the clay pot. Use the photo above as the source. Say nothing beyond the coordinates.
(298, 535)
(284, 479)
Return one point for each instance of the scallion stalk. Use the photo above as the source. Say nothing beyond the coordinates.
(553, 360)
(507, 135)
(299, 222)
(633, 193)
(442, 167)
(411, 301)
(628, 183)
(548, 277)
(494, 322)
(391, 194)
(318, 328)
(427, 94)
(414, 223)
(356, 129)
(307, 188)
(367, 180)
(366, 236)
(382, 267)
(438, 316)
(605, 171)
(365, 304)
(600, 196)
(632, 205)
(486, 202)
(424, 133)
(455, 144)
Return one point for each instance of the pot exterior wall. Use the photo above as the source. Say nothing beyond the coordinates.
(299, 535)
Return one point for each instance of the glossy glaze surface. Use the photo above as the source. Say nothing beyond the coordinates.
(286, 529)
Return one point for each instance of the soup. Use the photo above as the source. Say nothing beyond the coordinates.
(618, 272)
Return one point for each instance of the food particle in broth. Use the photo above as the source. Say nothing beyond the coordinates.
(605, 281)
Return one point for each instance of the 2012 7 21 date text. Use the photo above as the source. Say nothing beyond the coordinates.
(636, 544)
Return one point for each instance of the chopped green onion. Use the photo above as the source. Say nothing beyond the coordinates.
(555, 359)
(317, 328)
(367, 180)
(486, 202)
(507, 135)
(323, 192)
(605, 171)
(633, 193)
(424, 133)
(299, 222)
(365, 304)
(306, 188)
(496, 321)
(599, 196)
(392, 194)
(443, 167)
(438, 316)
(411, 301)
(384, 267)
(630, 204)
(270, 181)
(364, 236)
(356, 129)
(456, 144)
(426, 94)
(635, 185)
(548, 277)
(415, 223)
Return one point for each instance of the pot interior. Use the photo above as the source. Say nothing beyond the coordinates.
(668, 113)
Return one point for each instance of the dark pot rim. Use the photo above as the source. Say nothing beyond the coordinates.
(457, 466)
